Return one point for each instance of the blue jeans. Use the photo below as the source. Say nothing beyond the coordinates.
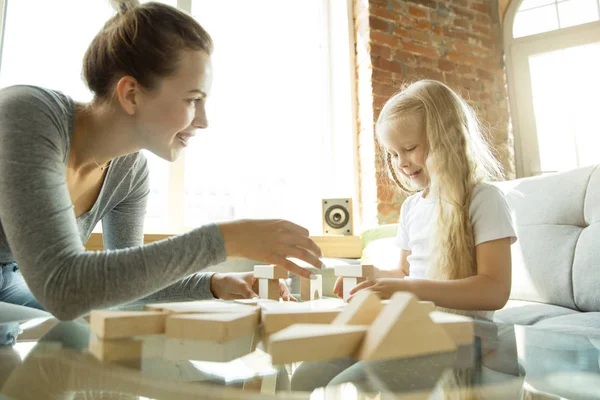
(13, 288)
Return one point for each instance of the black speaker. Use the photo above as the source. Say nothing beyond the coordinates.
(337, 217)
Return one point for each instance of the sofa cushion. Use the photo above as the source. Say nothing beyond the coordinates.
(581, 323)
(529, 313)
(556, 219)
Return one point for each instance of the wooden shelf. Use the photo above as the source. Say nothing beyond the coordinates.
(332, 246)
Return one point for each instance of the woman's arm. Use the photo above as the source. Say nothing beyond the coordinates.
(488, 290)
(40, 226)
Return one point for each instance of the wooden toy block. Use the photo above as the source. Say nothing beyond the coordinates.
(253, 302)
(207, 350)
(362, 310)
(198, 307)
(276, 320)
(311, 289)
(269, 289)
(356, 271)
(117, 349)
(349, 284)
(108, 324)
(270, 272)
(403, 329)
(458, 327)
(428, 306)
(301, 342)
(218, 327)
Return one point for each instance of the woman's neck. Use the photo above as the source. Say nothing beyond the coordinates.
(102, 132)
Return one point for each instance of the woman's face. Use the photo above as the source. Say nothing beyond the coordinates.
(169, 116)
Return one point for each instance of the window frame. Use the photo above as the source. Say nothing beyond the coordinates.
(517, 52)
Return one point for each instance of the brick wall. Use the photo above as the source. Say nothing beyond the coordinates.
(454, 41)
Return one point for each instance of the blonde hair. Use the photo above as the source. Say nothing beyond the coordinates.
(458, 159)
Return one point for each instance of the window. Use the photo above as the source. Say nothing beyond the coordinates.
(553, 77)
(537, 16)
(281, 131)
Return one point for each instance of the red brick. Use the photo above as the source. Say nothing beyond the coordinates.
(445, 65)
(382, 12)
(464, 70)
(436, 29)
(463, 59)
(461, 23)
(479, 7)
(399, 32)
(384, 39)
(480, 29)
(426, 3)
(382, 25)
(423, 24)
(485, 74)
(420, 36)
(417, 12)
(461, 12)
(482, 19)
(417, 49)
(386, 65)
(381, 51)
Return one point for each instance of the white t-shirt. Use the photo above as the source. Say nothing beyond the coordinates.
(490, 218)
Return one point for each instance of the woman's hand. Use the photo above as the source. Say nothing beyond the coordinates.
(382, 287)
(271, 242)
(242, 285)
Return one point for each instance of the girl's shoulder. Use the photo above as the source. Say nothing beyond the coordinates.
(486, 191)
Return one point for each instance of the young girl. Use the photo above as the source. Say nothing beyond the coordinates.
(65, 166)
(455, 229)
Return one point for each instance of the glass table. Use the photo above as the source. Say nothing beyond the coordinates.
(64, 360)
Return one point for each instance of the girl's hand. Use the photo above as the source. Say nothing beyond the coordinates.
(382, 287)
(271, 242)
(338, 287)
(242, 285)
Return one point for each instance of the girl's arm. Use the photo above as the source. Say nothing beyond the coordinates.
(488, 290)
(402, 271)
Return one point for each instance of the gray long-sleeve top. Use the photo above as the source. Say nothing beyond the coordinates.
(39, 230)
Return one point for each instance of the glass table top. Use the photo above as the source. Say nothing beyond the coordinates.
(57, 360)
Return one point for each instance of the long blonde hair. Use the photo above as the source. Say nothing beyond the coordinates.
(458, 159)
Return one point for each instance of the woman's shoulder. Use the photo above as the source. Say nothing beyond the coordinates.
(28, 98)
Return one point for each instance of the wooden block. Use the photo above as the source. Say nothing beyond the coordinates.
(108, 324)
(311, 289)
(270, 272)
(269, 289)
(116, 349)
(349, 284)
(339, 246)
(403, 329)
(253, 302)
(201, 307)
(218, 327)
(276, 320)
(458, 327)
(362, 310)
(301, 342)
(207, 350)
(428, 306)
(357, 271)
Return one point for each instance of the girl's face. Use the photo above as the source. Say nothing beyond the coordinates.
(406, 141)
(169, 116)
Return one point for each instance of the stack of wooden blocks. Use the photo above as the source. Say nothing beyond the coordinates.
(352, 274)
(366, 328)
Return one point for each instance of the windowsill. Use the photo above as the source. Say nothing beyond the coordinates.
(331, 246)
